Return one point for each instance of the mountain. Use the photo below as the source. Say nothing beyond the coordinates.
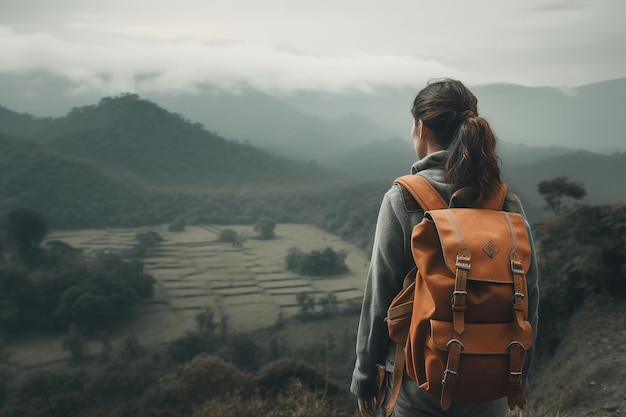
(257, 118)
(586, 117)
(523, 167)
(136, 136)
(386, 159)
(317, 125)
(394, 157)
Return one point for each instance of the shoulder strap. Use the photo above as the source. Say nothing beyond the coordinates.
(424, 193)
(430, 199)
(496, 202)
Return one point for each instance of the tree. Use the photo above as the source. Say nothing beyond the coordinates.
(177, 226)
(196, 381)
(204, 320)
(26, 229)
(553, 191)
(149, 238)
(317, 262)
(232, 237)
(265, 226)
(75, 343)
(306, 302)
(328, 305)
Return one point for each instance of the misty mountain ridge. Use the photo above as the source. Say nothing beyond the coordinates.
(160, 147)
(587, 117)
(127, 154)
(310, 125)
(260, 119)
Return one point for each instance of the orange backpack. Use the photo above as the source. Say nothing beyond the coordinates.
(461, 320)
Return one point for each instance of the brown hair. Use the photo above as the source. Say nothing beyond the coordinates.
(449, 110)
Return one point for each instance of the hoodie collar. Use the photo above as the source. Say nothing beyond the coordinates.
(435, 160)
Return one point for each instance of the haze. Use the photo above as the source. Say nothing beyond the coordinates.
(333, 46)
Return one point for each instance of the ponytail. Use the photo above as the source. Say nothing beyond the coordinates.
(450, 110)
(472, 159)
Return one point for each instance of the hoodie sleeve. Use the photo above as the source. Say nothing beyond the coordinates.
(388, 266)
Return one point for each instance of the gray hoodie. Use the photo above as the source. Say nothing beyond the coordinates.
(392, 259)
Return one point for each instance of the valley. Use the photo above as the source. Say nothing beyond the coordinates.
(248, 287)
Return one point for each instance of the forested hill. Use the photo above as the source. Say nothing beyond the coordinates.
(67, 191)
(133, 135)
(601, 175)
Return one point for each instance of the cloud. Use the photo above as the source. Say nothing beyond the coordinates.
(182, 66)
(136, 45)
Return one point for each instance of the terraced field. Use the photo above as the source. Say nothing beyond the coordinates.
(249, 285)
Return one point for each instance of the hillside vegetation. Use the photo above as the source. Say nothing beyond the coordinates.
(128, 134)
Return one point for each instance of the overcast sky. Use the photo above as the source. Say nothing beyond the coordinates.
(330, 45)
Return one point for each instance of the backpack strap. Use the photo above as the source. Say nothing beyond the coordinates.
(398, 372)
(423, 192)
(429, 198)
(496, 202)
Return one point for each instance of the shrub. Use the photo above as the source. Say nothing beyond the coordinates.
(265, 226)
(317, 262)
(148, 239)
(131, 349)
(275, 376)
(232, 237)
(177, 226)
(199, 380)
(295, 401)
(581, 252)
(306, 302)
(190, 345)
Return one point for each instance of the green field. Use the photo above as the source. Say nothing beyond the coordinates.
(249, 285)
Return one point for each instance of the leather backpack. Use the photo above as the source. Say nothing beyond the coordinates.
(461, 321)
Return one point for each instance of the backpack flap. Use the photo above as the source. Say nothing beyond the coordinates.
(489, 235)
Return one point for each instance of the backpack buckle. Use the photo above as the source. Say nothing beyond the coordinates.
(455, 341)
(449, 377)
(516, 296)
(517, 267)
(454, 295)
(463, 262)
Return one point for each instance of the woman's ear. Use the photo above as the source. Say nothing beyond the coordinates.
(422, 129)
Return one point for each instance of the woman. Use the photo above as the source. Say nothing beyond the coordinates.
(456, 148)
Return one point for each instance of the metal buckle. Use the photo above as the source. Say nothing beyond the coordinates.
(517, 267)
(453, 374)
(455, 293)
(463, 263)
(455, 341)
(515, 342)
(516, 296)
